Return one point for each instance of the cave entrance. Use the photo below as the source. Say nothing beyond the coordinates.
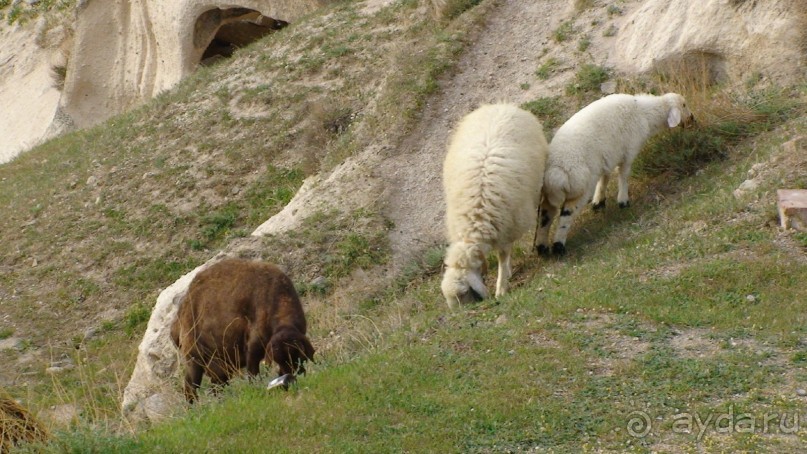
(219, 32)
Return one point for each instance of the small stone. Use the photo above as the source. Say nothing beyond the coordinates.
(751, 298)
(90, 332)
(608, 87)
(10, 343)
(746, 187)
(92, 180)
(501, 320)
(56, 370)
(801, 392)
(755, 169)
(319, 281)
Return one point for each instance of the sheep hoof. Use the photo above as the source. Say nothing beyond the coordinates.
(625, 204)
(559, 249)
(543, 250)
(599, 205)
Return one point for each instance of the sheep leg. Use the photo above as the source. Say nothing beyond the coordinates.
(622, 198)
(505, 271)
(568, 213)
(541, 241)
(193, 379)
(255, 353)
(598, 201)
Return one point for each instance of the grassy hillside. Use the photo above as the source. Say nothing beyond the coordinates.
(686, 307)
(97, 222)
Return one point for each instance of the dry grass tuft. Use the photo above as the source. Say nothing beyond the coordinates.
(582, 5)
(17, 425)
(449, 9)
(698, 76)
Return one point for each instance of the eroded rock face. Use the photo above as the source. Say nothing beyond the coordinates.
(28, 97)
(127, 52)
(734, 38)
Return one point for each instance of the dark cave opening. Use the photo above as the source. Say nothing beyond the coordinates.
(222, 31)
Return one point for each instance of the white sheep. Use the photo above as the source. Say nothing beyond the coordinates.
(604, 135)
(492, 177)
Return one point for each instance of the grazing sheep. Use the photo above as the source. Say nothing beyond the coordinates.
(237, 313)
(604, 135)
(492, 177)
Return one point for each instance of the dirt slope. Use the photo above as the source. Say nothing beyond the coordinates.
(504, 55)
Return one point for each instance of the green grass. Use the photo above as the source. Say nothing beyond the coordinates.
(547, 68)
(685, 151)
(22, 12)
(550, 110)
(583, 43)
(454, 8)
(587, 80)
(649, 312)
(563, 32)
(645, 317)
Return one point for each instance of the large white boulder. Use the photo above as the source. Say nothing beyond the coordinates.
(736, 38)
(152, 383)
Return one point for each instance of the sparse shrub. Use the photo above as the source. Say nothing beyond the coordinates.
(610, 31)
(427, 264)
(148, 274)
(582, 5)
(684, 151)
(549, 110)
(563, 32)
(271, 193)
(680, 152)
(588, 79)
(547, 68)
(753, 80)
(5, 333)
(451, 9)
(59, 74)
(354, 251)
(584, 43)
(14, 15)
(135, 317)
(614, 10)
(215, 225)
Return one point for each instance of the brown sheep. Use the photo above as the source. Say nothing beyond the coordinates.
(237, 313)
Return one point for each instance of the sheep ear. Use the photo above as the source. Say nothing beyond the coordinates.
(477, 286)
(674, 117)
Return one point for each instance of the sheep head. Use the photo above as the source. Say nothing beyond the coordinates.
(290, 348)
(462, 281)
(678, 113)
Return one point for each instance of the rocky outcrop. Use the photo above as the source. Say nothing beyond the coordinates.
(129, 51)
(28, 92)
(735, 39)
(123, 53)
